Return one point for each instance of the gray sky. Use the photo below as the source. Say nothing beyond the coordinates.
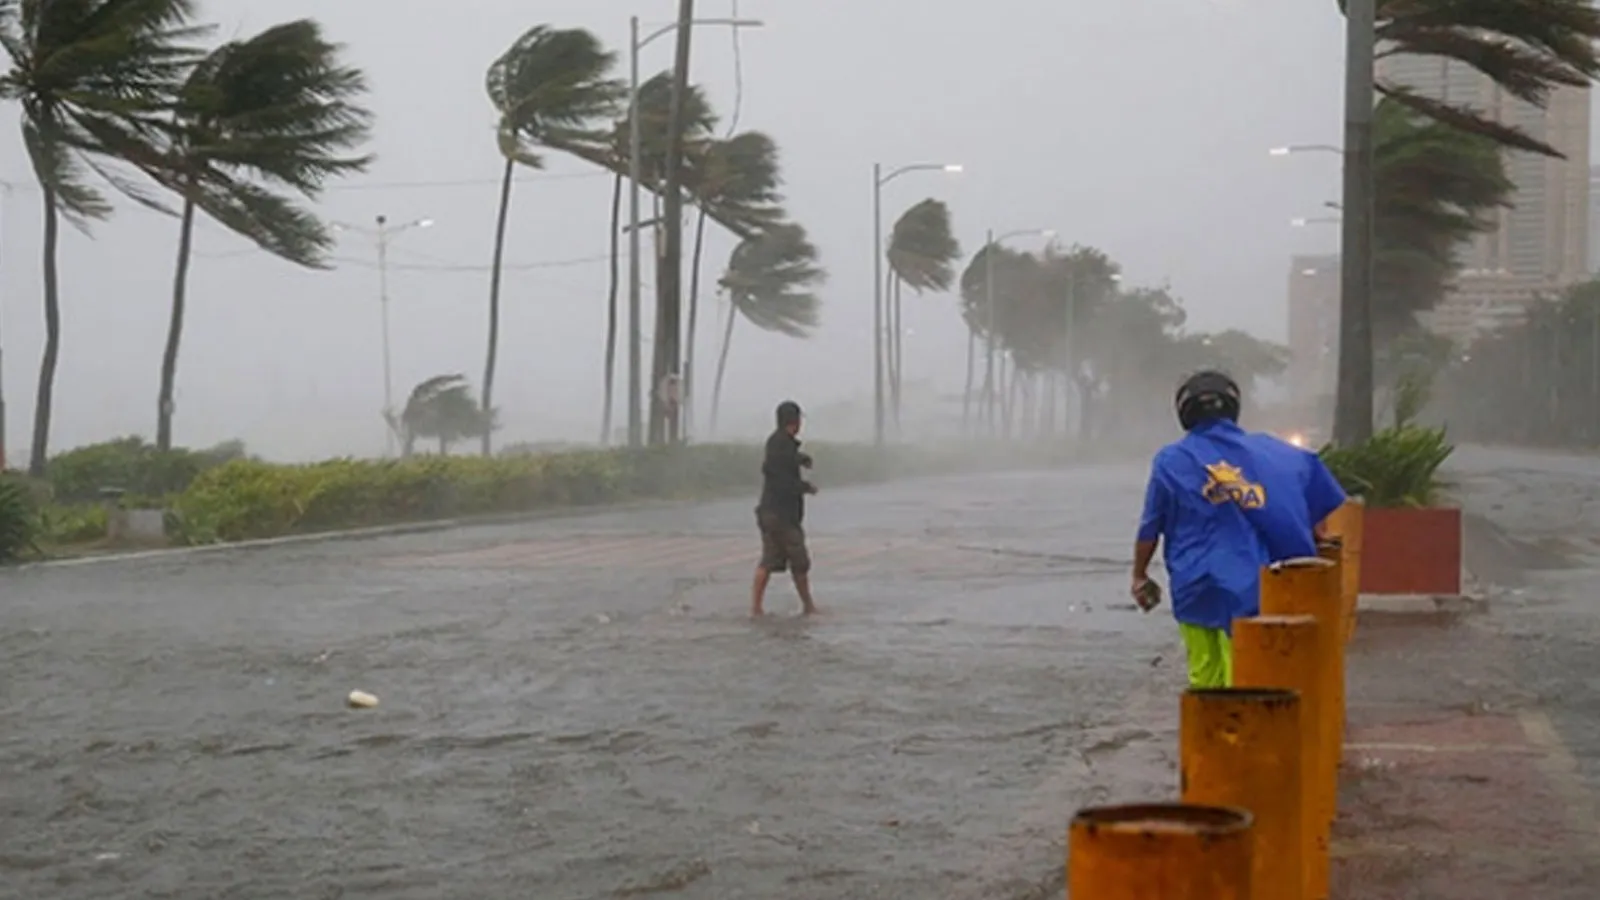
(1140, 127)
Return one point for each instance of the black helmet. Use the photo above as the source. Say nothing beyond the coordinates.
(1207, 395)
(788, 413)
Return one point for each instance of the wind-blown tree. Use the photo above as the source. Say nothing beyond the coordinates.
(1527, 47)
(653, 106)
(277, 110)
(1436, 187)
(769, 281)
(922, 253)
(95, 79)
(739, 179)
(551, 89)
(444, 409)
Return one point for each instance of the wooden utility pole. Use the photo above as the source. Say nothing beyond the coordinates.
(669, 276)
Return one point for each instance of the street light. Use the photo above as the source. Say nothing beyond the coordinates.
(1305, 148)
(1315, 220)
(383, 232)
(878, 181)
(635, 164)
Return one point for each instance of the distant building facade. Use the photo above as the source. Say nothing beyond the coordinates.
(1313, 328)
(1542, 243)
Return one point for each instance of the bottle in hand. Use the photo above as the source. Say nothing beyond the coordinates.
(1149, 596)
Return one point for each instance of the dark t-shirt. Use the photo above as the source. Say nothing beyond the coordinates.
(783, 491)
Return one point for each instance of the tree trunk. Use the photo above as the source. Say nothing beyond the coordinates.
(694, 325)
(966, 395)
(722, 366)
(444, 447)
(52, 339)
(494, 303)
(169, 359)
(669, 287)
(611, 310)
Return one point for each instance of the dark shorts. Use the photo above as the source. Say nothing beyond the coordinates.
(783, 545)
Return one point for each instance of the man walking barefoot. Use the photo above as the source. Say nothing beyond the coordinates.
(782, 510)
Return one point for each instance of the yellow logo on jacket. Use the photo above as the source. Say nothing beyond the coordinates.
(1226, 484)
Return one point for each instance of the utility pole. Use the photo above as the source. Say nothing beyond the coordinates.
(669, 287)
(1353, 411)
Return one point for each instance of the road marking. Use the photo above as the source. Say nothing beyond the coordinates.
(1442, 748)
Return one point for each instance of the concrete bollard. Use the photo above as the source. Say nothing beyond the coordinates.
(1160, 852)
(1311, 587)
(1281, 652)
(1243, 747)
(1347, 524)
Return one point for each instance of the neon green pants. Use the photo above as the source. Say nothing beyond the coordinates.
(1210, 653)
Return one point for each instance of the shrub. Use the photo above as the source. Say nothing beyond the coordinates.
(1397, 466)
(133, 466)
(18, 518)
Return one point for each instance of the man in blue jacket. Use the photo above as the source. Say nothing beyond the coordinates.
(1225, 502)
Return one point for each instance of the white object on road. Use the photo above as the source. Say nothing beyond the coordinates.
(362, 700)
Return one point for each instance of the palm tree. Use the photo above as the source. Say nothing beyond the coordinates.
(1435, 188)
(739, 178)
(653, 107)
(442, 407)
(280, 108)
(94, 79)
(550, 89)
(1527, 47)
(768, 281)
(922, 253)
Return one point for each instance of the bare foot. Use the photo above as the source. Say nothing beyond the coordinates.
(810, 610)
(756, 612)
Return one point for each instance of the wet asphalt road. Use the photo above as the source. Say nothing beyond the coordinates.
(579, 707)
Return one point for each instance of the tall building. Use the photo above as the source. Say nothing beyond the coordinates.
(1313, 328)
(1541, 243)
(1594, 220)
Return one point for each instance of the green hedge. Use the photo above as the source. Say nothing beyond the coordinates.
(247, 499)
(19, 523)
(133, 466)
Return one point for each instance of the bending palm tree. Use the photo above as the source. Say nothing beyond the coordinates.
(739, 177)
(550, 88)
(277, 107)
(1527, 47)
(922, 253)
(767, 283)
(94, 79)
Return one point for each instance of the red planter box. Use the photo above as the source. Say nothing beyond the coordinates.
(1411, 551)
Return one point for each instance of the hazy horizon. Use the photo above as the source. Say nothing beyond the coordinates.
(1159, 159)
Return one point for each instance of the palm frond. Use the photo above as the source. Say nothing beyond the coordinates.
(922, 249)
(769, 277)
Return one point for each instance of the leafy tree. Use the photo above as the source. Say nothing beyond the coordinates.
(442, 408)
(1527, 47)
(95, 79)
(550, 89)
(922, 253)
(276, 110)
(1435, 188)
(769, 281)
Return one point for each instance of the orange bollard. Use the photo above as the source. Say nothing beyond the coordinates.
(1160, 852)
(1281, 652)
(1311, 587)
(1243, 747)
(1348, 524)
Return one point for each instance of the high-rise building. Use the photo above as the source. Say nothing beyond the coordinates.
(1594, 220)
(1313, 328)
(1541, 243)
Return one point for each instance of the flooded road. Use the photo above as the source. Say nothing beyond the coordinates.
(579, 708)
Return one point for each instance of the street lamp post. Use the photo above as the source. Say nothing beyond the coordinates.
(878, 181)
(384, 232)
(1353, 408)
(635, 174)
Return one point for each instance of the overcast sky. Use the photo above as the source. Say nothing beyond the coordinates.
(1140, 127)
